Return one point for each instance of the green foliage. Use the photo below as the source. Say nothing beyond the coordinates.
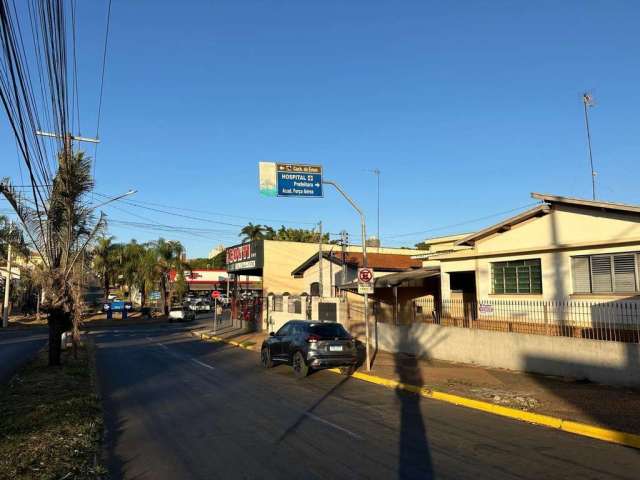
(252, 232)
(218, 262)
(423, 246)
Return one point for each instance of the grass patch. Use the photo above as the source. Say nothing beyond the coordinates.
(51, 420)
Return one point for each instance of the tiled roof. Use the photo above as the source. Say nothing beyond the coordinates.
(390, 262)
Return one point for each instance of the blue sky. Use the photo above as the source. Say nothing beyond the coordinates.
(465, 107)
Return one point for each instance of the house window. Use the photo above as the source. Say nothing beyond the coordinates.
(277, 303)
(518, 276)
(616, 273)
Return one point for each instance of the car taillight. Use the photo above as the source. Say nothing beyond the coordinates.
(313, 338)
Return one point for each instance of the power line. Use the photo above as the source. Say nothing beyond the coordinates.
(243, 217)
(139, 204)
(466, 222)
(104, 63)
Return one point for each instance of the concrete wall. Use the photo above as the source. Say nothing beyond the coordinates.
(604, 362)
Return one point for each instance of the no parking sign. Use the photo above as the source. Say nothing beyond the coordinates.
(365, 280)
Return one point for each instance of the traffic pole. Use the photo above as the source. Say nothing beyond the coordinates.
(320, 259)
(215, 315)
(363, 228)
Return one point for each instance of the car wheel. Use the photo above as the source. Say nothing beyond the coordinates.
(300, 367)
(348, 371)
(265, 358)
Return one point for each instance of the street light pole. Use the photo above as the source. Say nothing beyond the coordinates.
(376, 172)
(363, 227)
(587, 101)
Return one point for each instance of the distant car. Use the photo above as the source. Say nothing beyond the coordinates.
(310, 345)
(199, 306)
(181, 313)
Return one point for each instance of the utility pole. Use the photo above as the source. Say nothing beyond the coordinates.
(363, 228)
(587, 101)
(320, 279)
(7, 284)
(68, 139)
(344, 241)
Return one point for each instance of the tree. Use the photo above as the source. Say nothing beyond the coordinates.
(59, 230)
(270, 233)
(168, 256)
(106, 262)
(251, 232)
(300, 235)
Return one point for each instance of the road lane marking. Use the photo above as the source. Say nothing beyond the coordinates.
(180, 356)
(599, 433)
(203, 364)
(333, 425)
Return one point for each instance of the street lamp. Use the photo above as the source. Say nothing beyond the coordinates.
(113, 199)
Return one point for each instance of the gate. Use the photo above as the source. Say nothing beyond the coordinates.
(327, 312)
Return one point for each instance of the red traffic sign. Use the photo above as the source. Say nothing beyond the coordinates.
(215, 294)
(365, 275)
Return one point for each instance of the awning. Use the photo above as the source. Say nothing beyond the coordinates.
(397, 279)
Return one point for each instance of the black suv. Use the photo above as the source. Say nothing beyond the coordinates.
(310, 345)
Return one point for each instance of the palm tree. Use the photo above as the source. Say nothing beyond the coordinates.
(168, 257)
(270, 233)
(106, 262)
(251, 232)
(59, 230)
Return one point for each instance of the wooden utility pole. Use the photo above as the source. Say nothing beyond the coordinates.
(7, 287)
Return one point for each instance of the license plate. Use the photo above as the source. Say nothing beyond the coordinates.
(335, 348)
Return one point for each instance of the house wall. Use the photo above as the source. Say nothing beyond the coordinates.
(554, 239)
(612, 363)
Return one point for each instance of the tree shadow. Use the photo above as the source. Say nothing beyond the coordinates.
(603, 386)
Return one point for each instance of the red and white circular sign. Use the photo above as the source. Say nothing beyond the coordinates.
(215, 294)
(365, 275)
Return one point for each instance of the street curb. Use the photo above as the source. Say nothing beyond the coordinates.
(599, 433)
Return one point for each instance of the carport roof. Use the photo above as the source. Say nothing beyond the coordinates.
(396, 279)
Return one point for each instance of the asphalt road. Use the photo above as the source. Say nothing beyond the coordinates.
(17, 347)
(179, 408)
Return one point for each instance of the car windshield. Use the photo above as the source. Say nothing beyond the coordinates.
(328, 330)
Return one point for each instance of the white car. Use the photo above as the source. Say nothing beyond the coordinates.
(199, 306)
(181, 314)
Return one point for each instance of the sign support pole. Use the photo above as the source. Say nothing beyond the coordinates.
(215, 315)
(363, 227)
(320, 258)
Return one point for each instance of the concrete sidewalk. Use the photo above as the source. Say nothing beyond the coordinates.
(600, 405)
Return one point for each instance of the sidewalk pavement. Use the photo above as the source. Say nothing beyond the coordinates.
(601, 405)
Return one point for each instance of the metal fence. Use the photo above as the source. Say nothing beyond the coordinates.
(617, 321)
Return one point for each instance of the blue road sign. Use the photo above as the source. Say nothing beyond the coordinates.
(294, 180)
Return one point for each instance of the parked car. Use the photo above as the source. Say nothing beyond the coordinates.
(180, 313)
(310, 345)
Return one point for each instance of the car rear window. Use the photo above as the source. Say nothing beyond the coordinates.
(328, 330)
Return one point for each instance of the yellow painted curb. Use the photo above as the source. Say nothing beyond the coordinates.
(577, 428)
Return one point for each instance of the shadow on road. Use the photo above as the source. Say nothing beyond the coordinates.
(414, 455)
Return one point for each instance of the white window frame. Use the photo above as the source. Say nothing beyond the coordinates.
(636, 257)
